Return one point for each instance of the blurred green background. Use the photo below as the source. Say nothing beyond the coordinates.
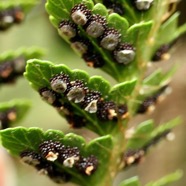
(37, 31)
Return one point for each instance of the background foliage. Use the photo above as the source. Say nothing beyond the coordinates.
(18, 36)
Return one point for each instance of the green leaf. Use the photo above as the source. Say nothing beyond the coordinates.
(167, 179)
(102, 148)
(141, 135)
(100, 9)
(18, 108)
(37, 68)
(119, 23)
(134, 181)
(137, 35)
(147, 132)
(60, 10)
(80, 74)
(19, 139)
(166, 126)
(180, 31)
(98, 83)
(27, 53)
(122, 91)
(40, 72)
(157, 79)
(170, 26)
(138, 32)
(25, 5)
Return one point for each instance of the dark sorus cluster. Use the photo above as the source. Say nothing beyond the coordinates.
(10, 16)
(6, 117)
(148, 105)
(114, 6)
(162, 53)
(52, 154)
(135, 156)
(11, 69)
(64, 93)
(117, 7)
(44, 167)
(142, 5)
(97, 28)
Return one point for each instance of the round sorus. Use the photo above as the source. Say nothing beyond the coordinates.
(6, 71)
(132, 157)
(77, 91)
(67, 28)
(80, 45)
(56, 175)
(69, 155)
(124, 53)
(110, 39)
(6, 19)
(80, 14)
(18, 14)
(87, 165)
(96, 26)
(162, 93)
(31, 158)
(59, 83)
(44, 167)
(70, 161)
(107, 110)
(66, 109)
(50, 150)
(143, 4)
(76, 121)
(148, 105)
(93, 60)
(90, 101)
(123, 111)
(48, 95)
(161, 53)
(117, 8)
(114, 7)
(19, 65)
(53, 172)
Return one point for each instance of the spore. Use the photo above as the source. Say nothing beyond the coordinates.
(110, 39)
(90, 101)
(77, 91)
(143, 5)
(161, 53)
(96, 26)
(93, 60)
(50, 150)
(80, 14)
(107, 110)
(68, 29)
(31, 158)
(87, 165)
(60, 82)
(114, 6)
(124, 53)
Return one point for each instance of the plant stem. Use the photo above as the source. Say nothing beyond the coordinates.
(143, 57)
